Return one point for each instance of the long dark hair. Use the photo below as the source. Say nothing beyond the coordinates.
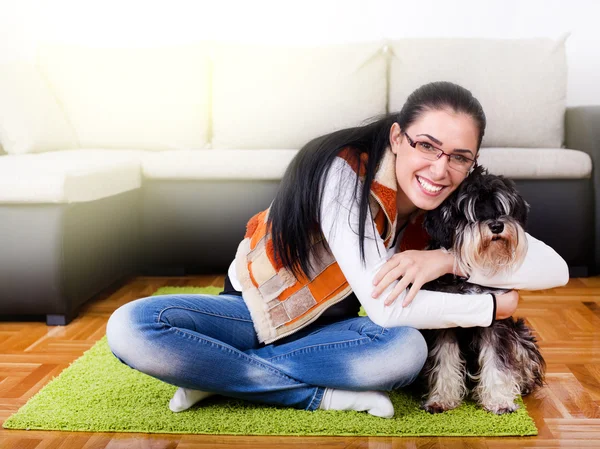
(294, 218)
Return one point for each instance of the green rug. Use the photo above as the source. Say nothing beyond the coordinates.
(99, 394)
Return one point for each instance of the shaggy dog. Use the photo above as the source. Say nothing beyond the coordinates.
(482, 224)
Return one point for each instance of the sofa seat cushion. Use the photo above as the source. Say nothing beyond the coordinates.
(536, 163)
(81, 175)
(517, 163)
(217, 164)
(69, 176)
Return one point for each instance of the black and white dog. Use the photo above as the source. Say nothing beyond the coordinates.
(482, 224)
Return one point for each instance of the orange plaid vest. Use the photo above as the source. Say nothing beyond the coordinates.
(279, 303)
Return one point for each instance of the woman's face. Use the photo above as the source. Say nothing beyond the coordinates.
(422, 183)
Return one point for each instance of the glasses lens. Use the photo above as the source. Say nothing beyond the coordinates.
(428, 151)
(460, 163)
(456, 161)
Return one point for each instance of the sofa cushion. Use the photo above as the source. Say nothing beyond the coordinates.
(218, 165)
(31, 120)
(521, 84)
(143, 98)
(517, 163)
(539, 163)
(69, 176)
(271, 97)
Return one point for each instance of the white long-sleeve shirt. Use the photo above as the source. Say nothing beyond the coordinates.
(542, 267)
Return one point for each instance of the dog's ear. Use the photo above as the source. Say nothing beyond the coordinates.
(520, 207)
(471, 186)
(521, 210)
(439, 226)
(478, 170)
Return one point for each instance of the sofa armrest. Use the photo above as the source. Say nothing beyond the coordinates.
(582, 132)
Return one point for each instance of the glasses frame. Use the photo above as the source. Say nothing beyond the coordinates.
(413, 143)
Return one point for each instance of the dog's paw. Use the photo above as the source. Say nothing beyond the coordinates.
(530, 387)
(438, 406)
(501, 408)
(527, 389)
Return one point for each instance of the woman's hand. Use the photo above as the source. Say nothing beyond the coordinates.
(411, 267)
(506, 304)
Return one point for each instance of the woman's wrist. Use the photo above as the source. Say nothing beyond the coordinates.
(451, 266)
(506, 304)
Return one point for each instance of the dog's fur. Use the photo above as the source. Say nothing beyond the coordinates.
(482, 224)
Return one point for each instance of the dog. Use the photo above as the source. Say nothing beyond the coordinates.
(482, 224)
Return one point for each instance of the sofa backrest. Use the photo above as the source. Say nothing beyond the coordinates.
(276, 97)
(136, 98)
(31, 118)
(521, 84)
(255, 97)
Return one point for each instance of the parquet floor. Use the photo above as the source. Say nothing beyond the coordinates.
(566, 411)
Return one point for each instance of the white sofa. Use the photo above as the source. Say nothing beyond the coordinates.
(151, 160)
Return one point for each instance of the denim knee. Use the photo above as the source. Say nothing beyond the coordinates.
(396, 360)
(411, 347)
(122, 333)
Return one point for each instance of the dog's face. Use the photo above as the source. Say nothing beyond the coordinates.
(482, 224)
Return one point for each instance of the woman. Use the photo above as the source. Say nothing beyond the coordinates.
(285, 331)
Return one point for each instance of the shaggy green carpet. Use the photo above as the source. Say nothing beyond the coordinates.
(97, 393)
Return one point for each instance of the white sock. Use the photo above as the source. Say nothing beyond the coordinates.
(377, 403)
(184, 398)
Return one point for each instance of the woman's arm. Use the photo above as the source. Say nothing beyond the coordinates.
(542, 268)
(429, 310)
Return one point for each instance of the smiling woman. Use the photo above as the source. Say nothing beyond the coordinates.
(285, 331)
(425, 177)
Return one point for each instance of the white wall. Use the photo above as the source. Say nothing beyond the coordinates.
(24, 23)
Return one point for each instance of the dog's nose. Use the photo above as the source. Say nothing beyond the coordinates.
(496, 227)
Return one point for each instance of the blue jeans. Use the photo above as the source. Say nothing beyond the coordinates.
(208, 343)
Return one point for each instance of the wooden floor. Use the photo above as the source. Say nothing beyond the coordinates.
(566, 411)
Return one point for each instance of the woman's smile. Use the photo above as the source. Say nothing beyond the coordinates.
(428, 187)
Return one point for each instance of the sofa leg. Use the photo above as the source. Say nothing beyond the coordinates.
(59, 320)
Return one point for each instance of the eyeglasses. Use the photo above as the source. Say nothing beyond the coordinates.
(457, 162)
